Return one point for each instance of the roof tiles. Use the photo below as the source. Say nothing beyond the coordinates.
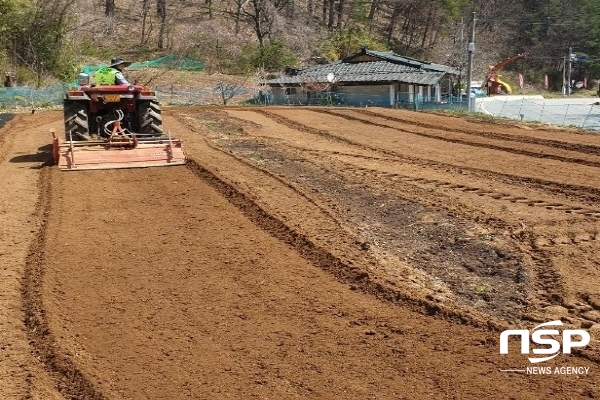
(384, 67)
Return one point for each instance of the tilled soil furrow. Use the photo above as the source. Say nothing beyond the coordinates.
(585, 212)
(68, 378)
(549, 279)
(577, 147)
(535, 154)
(393, 179)
(203, 302)
(585, 193)
(358, 278)
(298, 255)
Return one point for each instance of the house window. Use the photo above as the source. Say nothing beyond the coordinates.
(289, 91)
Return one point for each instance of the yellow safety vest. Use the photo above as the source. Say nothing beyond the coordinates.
(105, 76)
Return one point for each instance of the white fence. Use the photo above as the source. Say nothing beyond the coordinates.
(579, 112)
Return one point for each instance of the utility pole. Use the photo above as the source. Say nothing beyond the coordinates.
(471, 50)
(569, 71)
(564, 76)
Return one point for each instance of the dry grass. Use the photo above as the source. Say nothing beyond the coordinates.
(181, 79)
(196, 83)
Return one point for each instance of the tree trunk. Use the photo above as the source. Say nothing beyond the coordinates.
(331, 14)
(145, 27)
(109, 11)
(109, 8)
(238, 16)
(373, 10)
(393, 21)
(161, 10)
(340, 13)
(428, 23)
(435, 30)
(258, 22)
(409, 28)
(210, 10)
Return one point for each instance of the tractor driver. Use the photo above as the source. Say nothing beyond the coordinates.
(113, 74)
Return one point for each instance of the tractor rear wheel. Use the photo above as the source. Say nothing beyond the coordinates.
(150, 118)
(76, 121)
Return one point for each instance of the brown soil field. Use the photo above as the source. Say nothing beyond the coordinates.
(302, 253)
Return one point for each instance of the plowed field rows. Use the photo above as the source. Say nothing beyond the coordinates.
(310, 253)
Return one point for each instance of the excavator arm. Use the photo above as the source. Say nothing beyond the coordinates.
(495, 85)
(495, 68)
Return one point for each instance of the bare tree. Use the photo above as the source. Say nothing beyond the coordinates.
(340, 12)
(239, 6)
(109, 8)
(161, 11)
(373, 10)
(229, 87)
(331, 18)
(218, 46)
(146, 22)
(260, 14)
(209, 6)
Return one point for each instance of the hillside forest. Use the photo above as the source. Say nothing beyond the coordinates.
(41, 40)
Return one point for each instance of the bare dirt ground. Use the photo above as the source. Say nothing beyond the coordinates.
(302, 253)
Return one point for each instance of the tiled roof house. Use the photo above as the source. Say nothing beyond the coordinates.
(365, 78)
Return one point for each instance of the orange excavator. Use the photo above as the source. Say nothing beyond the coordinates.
(494, 84)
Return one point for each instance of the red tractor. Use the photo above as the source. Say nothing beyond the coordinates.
(123, 121)
(90, 110)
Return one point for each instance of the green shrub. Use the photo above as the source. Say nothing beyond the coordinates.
(274, 56)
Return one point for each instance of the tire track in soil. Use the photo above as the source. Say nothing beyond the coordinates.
(577, 239)
(527, 153)
(585, 193)
(553, 206)
(576, 147)
(548, 279)
(69, 380)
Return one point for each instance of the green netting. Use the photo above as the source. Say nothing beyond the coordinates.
(168, 62)
(25, 96)
(89, 69)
